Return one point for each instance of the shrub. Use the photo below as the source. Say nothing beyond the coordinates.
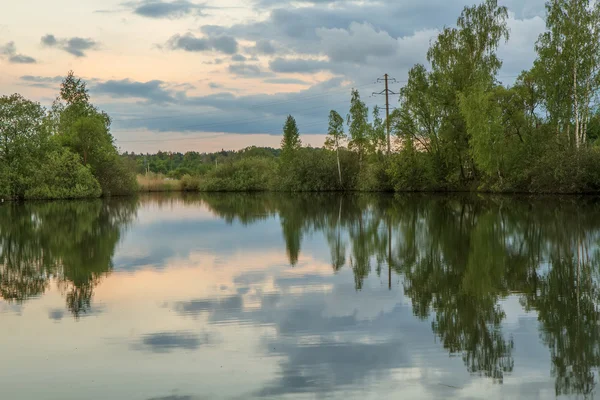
(190, 183)
(248, 174)
(64, 177)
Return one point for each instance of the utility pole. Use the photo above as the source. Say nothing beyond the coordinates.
(386, 78)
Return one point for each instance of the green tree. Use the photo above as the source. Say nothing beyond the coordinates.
(335, 135)
(85, 130)
(460, 58)
(24, 140)
(291, 138)
(358, 126)
(567, 65)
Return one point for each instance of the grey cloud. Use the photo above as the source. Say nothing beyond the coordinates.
(49, 40)
(357, 43)
(296, 28)
(76, 46)
(163, 342)
(286, 81)
(214, 85)
(225, 44)
(21, 59)
(247, 70)
(9, 51)
(298, 65)
(238, 58)
(190, 43)
(153, 91)
(265, 47)
(256, 113)
(41, 81)
(164, 9)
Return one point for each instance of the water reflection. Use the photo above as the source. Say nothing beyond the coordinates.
(71, 242)
(459, 256)
(457, 259)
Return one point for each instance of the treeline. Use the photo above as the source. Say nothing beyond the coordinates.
(457, 127)
(176, 164)
(64, 152)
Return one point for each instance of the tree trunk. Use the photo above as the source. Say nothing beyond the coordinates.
(576, 103)
(337, 154)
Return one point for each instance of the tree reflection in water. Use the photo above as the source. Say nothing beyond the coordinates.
(71, 242)
(457, 258)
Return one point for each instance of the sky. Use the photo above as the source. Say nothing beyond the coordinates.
(183, 75)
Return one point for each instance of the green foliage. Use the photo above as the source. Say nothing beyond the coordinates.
(84, 129)
(247, 174)
(291, 138)
(358, 126)
(311, 170)
(64, 177)
(190, 183)
(24, 142)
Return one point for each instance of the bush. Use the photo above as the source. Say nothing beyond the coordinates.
(311, 170)
(248, 174)
(190, 183)
(64, 177)
(115, 175)
(411, 170)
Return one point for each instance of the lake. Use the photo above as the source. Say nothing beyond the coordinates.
(242, 296)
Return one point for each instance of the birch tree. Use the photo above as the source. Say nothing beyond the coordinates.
(335, 135)
(567, 65)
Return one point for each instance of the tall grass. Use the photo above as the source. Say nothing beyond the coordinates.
(158, 183)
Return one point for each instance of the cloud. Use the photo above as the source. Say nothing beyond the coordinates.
(9, 52)
(41, 81)
(254, 113)
(188, 42)
(238, 58)
(298, 65)
(164, 342)
(286, 81)
(76, 46)
(214, 85)
(153, 91)
(164, 9)
(247, 70)
(265, 47)
(356, 44)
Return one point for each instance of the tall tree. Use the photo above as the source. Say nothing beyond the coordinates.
(335, 135)
(291, 138)
(461, 57)
(358, 123)
(568, 63)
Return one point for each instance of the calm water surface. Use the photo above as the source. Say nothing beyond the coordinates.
(300, 297)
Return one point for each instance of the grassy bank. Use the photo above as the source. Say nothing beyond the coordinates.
(158, 183)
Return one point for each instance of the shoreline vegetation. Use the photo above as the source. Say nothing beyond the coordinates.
(457, 128)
